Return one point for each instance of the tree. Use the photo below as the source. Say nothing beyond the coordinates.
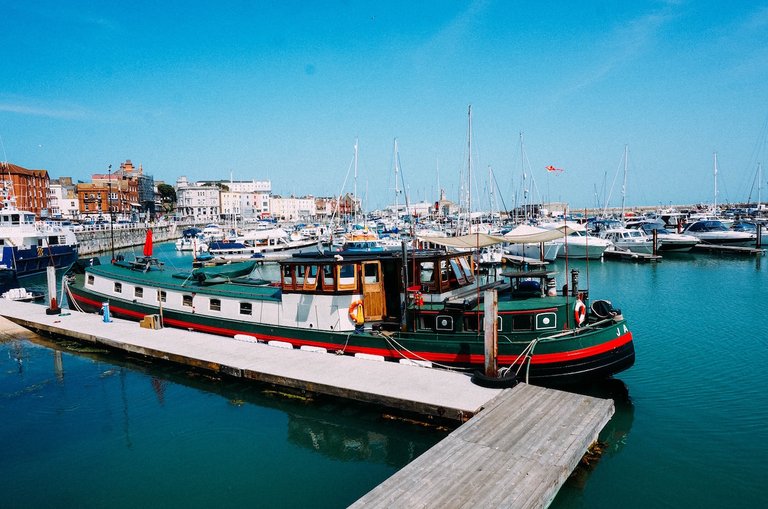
(167, 196)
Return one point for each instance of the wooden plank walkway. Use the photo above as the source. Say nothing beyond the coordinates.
(629, 256)
(735, 250)
(516, 453)
(435, 393)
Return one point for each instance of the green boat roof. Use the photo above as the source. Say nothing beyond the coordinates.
(187, 282)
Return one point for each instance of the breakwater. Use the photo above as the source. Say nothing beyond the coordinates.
(102, 239)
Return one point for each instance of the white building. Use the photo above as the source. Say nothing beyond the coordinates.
(292, 208)
(251, 197)
(199, 202)
(62, 203)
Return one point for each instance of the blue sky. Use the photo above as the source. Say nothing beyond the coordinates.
(280, 90)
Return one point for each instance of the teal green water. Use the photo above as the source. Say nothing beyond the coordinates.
(97, 430)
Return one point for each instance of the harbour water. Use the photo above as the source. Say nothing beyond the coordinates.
(88, 428)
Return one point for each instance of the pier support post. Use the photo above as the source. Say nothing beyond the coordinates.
(655, 242)
(759, 239)
(53, 307)
(491, 311)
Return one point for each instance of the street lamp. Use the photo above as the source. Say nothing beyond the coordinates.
(111, 217)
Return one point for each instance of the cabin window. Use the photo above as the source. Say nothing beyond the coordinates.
(347, 276)
(328, 279)
(246, 308)
(288, 277)
(186, 300)
(464, 262)
(427, 275)
(90, 279)
(444, 280)
(118, 287)
(161, 296)
(138, 292)
(457, 273)
(371, 272)
(522, 322)
(310, 277)
(215, 305)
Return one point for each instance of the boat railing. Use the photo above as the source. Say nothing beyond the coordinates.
(585, 327)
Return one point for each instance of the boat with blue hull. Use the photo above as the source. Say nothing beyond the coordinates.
(29, 247)
(426, 308)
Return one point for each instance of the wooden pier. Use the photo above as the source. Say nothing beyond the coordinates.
(729, 250)
(515, 448)
(516, 453)
(629, 256)
(433, 393)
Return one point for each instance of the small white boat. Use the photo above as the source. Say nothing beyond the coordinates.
(22, 295)
(635, 241)
(581, 245)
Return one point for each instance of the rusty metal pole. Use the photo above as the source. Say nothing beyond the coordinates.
(491, 311)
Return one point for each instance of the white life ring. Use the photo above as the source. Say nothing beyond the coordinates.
(579, 312)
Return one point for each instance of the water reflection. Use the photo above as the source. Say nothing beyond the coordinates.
(341, 431)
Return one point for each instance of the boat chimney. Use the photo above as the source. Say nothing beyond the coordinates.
(574, 282)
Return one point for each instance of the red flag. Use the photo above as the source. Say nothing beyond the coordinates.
(552, 168)
(148, 243)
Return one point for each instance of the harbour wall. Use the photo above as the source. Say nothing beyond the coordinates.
(102, 239)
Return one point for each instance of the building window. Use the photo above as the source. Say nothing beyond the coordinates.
(138, 292)
(246, 308)
(118, 287)
(215, 305)
(186, 300)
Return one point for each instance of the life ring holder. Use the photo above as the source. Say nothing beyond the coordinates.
(579, 312)
(356, 313)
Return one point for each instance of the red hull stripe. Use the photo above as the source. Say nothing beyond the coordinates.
(547, 358)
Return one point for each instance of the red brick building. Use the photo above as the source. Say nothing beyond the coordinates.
(25, 189)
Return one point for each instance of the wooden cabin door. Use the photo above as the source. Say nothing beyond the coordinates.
(374, 303)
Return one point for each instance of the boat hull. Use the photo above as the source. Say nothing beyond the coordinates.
(29, 261)
(572, 357)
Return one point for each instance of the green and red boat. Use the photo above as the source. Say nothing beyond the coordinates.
(425, 306)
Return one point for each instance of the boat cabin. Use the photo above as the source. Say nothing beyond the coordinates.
(378, 277)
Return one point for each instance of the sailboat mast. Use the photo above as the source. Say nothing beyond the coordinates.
(354, 204)
(715, 203)
(624, 184)
(469, 169)
(397, 185)
(759, 184)
(525, 177)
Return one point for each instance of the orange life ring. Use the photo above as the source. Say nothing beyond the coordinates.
(579, 312)
(356, 313)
